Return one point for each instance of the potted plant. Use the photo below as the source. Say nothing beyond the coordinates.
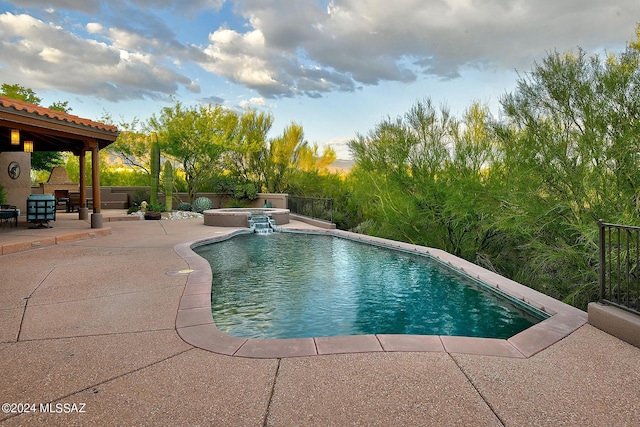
(154, 211)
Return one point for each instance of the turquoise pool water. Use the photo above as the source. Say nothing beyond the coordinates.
(286, 285)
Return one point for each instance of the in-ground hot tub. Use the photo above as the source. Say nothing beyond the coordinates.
(239, 217)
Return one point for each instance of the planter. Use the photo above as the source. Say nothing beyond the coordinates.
(152, 215)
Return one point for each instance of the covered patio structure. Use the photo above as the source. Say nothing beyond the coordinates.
(26, 127)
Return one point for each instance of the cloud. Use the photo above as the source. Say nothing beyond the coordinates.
(94, 28)
(300, 48)
(213, 100)
(92, 7)
(86, 6)
(43, 55)
(340, 146)
(253, 102)
(126, 49)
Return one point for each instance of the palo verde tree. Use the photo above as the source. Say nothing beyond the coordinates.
(196, 137)
(290, 154)
(571, 151)
(131, 148)
(245, 155)
(425, 178)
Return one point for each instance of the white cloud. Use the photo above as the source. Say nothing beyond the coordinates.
(253, 102)
(340, 146)
(305, 49)
(87, 6)
(94, 28)
(32, 55)
(53, 55)
(292, 48)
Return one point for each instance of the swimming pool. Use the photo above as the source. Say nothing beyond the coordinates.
(287, 285)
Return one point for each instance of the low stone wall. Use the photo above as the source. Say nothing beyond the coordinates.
(615, 321)
(240, 217)
(312, 221)
(121, 197)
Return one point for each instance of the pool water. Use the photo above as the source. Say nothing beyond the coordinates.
(286, 285)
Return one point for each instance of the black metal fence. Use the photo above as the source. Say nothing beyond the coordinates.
(312, 207)
(620, 266)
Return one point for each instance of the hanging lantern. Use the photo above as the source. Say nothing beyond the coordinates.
(15, 137)
(28, 146)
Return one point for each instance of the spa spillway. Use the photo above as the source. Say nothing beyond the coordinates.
(240, 217)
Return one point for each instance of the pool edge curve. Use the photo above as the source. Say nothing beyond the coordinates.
(195, 325)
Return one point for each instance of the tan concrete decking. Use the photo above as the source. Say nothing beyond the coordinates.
(92, 321)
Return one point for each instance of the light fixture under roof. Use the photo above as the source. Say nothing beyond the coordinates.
(15, 137)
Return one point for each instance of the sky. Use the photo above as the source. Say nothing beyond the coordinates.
(336, 67)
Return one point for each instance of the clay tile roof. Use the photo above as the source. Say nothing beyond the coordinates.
(52, 114)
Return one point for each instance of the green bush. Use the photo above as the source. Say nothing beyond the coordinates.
(3, 196)
(201, 204)
(246, 191)
(156, 207)
(184, 206)
(236, 203)
(140, 195)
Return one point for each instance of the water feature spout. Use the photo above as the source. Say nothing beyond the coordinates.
(262, 224)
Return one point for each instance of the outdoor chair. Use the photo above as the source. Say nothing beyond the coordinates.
(62, 199)
(9, 214)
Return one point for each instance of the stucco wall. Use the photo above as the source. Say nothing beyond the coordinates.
(17, 190)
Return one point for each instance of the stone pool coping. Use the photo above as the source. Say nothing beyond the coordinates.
(195, 325)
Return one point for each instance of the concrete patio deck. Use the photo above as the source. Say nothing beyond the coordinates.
(89, 318)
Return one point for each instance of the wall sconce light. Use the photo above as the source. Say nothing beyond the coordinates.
(15, 137)
(28, 146)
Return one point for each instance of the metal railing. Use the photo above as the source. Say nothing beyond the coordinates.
(620, 266)
(312, 207)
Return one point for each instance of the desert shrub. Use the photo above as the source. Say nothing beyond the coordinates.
(184, 206)
(201, 204)
(139, 196)
(156, 207)
(236, 203)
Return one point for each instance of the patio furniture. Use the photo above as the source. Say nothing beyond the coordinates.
(9, 215)
(62, 199)
(41, 208)
(74, 202)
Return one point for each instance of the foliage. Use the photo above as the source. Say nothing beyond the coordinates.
(46, 160)
(522, 196)
(196, 137)
(20, 92)
(184, 206)
(131, 148)
(156, 207)
(202, 204)
(289, 155)
(3, 195)
(139, 196)
(40, 160)
(245, 155)
(236, 203)
(245, 191)
(60, 106)
(111, 175)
